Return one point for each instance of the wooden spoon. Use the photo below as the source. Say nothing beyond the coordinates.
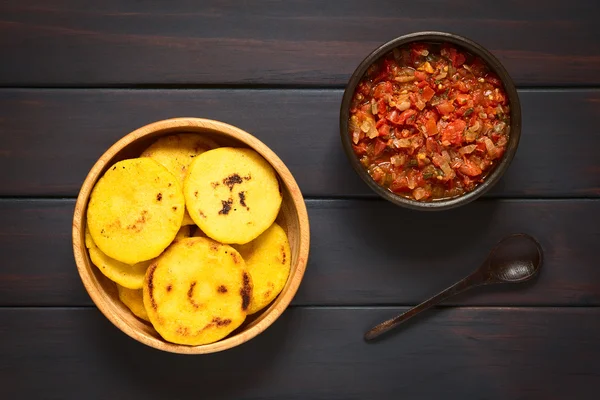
(516, 258)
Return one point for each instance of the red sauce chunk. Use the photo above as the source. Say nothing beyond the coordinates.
(429, 121)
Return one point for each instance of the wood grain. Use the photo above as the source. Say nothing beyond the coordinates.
(51, 138)
(362, 252)
(299, 42)
(313, 354)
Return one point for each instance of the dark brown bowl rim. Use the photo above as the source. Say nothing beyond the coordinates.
(495, 66)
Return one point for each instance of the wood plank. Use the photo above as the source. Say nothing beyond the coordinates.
(299, 42)
(362, 252)
(309, 353)
(51, 138)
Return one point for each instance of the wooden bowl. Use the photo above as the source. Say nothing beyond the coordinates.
(292, 217)
(515, 119)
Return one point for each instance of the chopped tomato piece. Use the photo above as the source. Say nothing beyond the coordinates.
(459, 60)
(431, 127)
(405, 115)
(380, 146)
(452, 134)
(381, 107)
(428, 93)
(430, 113)
(420, 104)
(382, 88)
(384, 130)
(393, 117)
(431, 145)
(420, 75)
(481, 147)
(360, 149)
(462, 86)
(400, 184)
(477, 97)
(445, 108)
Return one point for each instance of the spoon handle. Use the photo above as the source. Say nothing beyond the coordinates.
(460, 286)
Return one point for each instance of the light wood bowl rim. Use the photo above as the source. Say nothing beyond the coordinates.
(103, 300)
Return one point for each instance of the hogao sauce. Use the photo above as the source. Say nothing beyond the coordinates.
(429, 121)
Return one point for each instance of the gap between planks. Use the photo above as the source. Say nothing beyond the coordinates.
(263, 87)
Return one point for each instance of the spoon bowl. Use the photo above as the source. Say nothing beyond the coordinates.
(516, 258)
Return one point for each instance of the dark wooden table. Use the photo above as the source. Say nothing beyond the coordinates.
(76, 77)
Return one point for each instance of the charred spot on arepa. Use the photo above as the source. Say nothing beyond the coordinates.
(190, 295)
(116, 224)
(140, 220)
(190, 292)
(183, 330)
(151, 271)
(221, 322)
(267, 260)
(222, 289)
(232, 180)
(242, 196)
(226, 206)
(191, 289)
(246, 291)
